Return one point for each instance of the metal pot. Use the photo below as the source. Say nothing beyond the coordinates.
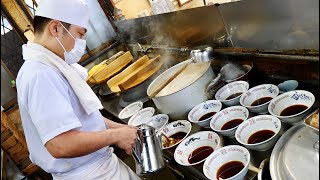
(179, 103)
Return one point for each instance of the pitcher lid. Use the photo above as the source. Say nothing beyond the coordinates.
(146, 130)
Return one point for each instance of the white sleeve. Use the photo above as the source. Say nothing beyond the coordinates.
(50, 107)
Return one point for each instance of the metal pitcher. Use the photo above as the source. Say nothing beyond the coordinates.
(148, 150)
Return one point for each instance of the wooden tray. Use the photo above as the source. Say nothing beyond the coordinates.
(94, 70)
(97, 68)
(126, 74)
(143, 74)
(113, 68)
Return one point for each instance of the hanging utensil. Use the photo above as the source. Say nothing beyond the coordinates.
(228, 73)
(203, 55)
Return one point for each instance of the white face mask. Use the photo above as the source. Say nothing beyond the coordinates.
(77, 52)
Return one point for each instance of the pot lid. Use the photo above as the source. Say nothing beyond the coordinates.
(296, 155)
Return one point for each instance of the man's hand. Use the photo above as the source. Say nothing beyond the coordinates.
(126, 139)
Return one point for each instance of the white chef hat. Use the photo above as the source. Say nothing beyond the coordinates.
(74, 12)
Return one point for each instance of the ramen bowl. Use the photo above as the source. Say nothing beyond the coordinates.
(197, 147)
(202, 113)
(258, 98)
(174, 132)
(227, 120)
(158, 121)
(259, 133)
(130, 110)
(293, 106)
(227, 158)
(230, 94)
(141, 116)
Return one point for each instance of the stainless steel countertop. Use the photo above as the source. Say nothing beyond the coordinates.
(111, 105)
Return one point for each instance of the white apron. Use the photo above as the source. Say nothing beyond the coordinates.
(104, 169)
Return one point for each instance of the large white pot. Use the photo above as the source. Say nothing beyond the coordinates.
(179, 103)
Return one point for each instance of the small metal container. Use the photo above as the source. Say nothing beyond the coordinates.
(148, 151)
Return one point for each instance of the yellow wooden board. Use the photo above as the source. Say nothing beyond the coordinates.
(143, 74)
(113, 68)
(94, 70)
(127, 73)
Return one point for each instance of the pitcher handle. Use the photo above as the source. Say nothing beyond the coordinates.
(134, 153)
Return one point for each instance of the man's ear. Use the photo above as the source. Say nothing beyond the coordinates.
(54, 27)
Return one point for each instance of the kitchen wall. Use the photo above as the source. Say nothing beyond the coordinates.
(11, 51)
(100, 29)
(191, 27)
(273, 25)
(252, 24)
(131, 8)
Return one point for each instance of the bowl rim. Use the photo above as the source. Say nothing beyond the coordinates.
(263, 142)
(163, 115)
(134, 116)
(246, 166)
(231, 129)
(186, 121)
(192, 135)
(197, 121)
(294, 115)
(224, 100)
(120, 115)
(260, 105)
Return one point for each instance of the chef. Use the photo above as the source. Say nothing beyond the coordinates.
(66, 134)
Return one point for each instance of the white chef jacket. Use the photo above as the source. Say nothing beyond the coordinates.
(49, 107)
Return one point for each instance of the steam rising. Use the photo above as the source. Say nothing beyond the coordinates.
(147, 32)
